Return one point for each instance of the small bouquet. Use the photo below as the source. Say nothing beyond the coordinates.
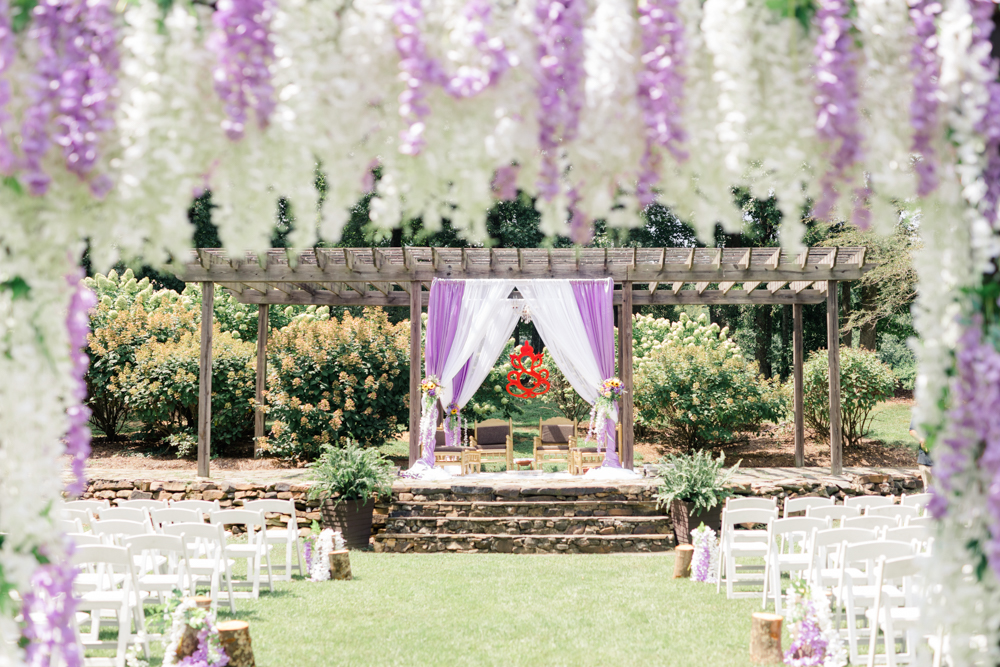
(609, 391)
(430, 386)
(612, 388)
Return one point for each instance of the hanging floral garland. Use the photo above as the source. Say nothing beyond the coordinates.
(815, 642)
(430, 390)
(705, 559)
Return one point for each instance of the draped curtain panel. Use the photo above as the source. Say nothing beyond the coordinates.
(443, 317)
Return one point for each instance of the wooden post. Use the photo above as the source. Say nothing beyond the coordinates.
(797, 402)
(234, 636)
(258, 419)
(833, 349)
(415, 358)
(205, 380)
(682, 565)
(625, 368)
(765, 639)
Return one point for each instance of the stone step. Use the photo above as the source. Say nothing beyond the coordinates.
(522, 544)
(560, 525)
(547, 508)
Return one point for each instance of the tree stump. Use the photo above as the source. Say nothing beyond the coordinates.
(765, 639)
(340, 565)
(682, 566)
(189, 640)
(235, 639)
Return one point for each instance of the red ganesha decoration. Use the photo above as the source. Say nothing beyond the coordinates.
(528, 379)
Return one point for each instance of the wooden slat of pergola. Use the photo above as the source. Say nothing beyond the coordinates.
(402, 276)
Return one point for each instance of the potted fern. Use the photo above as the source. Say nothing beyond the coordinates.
(349, 479)
(694, 488)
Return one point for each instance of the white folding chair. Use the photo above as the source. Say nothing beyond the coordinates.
(925, 521)
(117, 594)
(94, 506)
(289, 535)
(864, 502)
(206, 546)
(833, 512)
(254, 551)
(174, 515)
(163, 564)
(123, 514)
(203, 506)
(79, 514)
(145, 503)
(795, 505)
(899, 511)
(742, 535)
(892, 575)
(825, 547)
(114, 531)
(919, 535)
(85, 539)
(69, 525)
(735, 548)
(918, 500)
(776, 562)
(856, 592)
(871, 521)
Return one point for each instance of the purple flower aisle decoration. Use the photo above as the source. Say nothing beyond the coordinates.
(661, 88)
(926, 67)
(418, 69)
(74, 89)
(706, 554)
(560, 82)
(48, 609)
(838, 119)
(989, 124)
(815, 642)
(245, 51)
(78, 436)
(187, 614)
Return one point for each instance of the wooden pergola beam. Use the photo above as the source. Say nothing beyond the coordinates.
(833, 350)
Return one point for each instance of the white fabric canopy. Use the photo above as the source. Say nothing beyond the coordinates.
(485, 357)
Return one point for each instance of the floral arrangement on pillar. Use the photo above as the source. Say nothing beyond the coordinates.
(113, 115)
(603, 411)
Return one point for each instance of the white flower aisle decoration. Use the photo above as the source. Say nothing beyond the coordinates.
(815, 642)
(187, 614)
(318, 548)
(706, 554)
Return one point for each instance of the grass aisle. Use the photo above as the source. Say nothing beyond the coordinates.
(497, 609)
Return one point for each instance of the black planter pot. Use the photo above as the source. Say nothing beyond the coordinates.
(684, 520)
(353, 518)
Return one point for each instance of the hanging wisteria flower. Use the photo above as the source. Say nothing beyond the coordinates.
(8, 51)
(815, 642)
(430, 389)
(661, 88)
(838, 118)
(706, 554)
(78, 435)
(74, 89)
(505, 183)
(924, 108)
(418, 69)
(560, 82)
(989, 126)
(244, 48)
(49, 607)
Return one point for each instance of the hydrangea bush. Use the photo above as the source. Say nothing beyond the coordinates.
(331, 379)
(696, 384)
(864, 382)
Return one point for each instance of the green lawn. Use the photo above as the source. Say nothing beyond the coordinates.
(891, 425)
(499, 609)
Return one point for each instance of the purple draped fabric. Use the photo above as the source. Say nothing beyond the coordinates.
(442, 320)
(594, 299)
(452, 435)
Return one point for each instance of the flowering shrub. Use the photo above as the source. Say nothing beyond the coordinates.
(332, 379)
(162, 388)
(864, 381)
(696, 384)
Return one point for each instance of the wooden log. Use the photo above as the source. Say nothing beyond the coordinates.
(797, 391)
(189, 640)
(682, 565)
(833, 350)
(415, 302)
(235, 639)
(258, 420)
(765, 639)
(205, 380)
(340, 565)
(626, 376)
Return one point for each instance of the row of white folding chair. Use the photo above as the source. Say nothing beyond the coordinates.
(207, 560)
(896, 574)
(752, 540)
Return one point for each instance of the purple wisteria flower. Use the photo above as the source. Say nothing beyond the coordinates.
(505, 182)
(808, 649)
(989, 125)
(8, 161)
(78, 435)
(974, 427)
(837, 120)
(926, 66)
(419, 69)
(75, 85)
(48, 608)
(661, 88)
(245, 51)
(560, 82)
(581, 228)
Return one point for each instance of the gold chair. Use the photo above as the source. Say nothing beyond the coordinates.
(467, 458)
(582, 459)
(494, 441)
(556, 436)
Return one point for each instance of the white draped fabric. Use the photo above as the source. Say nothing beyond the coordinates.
(556, 315)
(485, 358)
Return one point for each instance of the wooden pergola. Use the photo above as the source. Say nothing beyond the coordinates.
(643, 276)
